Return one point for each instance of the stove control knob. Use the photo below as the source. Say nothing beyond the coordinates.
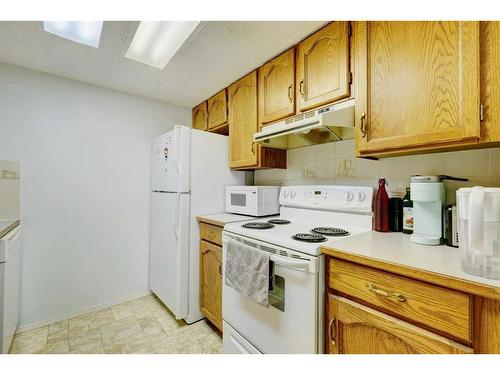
(285, 193)
(292, 194)
(350, 196)
(361, 196)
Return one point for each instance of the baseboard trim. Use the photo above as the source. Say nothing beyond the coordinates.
(46, 322)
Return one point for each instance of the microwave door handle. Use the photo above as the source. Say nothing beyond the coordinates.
(280, 261)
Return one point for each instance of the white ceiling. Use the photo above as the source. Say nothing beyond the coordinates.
(215, 55)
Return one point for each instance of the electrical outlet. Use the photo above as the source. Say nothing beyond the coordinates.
(308, 174)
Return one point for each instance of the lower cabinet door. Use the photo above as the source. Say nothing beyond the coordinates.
(211, 282)
(356, 329)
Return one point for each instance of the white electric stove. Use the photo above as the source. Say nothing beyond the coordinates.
(310, 216)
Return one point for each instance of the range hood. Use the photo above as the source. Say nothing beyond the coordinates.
(324, 125)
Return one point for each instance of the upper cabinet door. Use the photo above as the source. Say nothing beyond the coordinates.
(418, 85)
(243, 151)
(217, 110)
(200, 116)
(277, 88)
(490, 80)
(323, 66)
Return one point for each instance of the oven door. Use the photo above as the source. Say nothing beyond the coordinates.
(292, 323)
(242, 202)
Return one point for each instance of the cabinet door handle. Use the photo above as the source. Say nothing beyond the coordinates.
(220, 269)
(331, 330)
(385, 293)
(290, 87)
(253, 148)
(363, 125)
(301, 88)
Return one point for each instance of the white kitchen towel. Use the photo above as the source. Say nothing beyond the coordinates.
(247, 271)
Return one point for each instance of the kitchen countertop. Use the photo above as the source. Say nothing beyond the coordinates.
(222, 218)
(395, 253)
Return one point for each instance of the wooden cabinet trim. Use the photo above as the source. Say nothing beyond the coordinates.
(490, 80)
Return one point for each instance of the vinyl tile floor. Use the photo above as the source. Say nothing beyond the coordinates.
(142, 325)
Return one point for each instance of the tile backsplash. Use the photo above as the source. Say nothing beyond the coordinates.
(9, 189)
(334, 163)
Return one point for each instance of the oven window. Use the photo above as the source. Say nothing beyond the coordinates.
(238, 200)
(277, 292)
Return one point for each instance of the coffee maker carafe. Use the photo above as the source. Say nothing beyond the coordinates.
(429, 198)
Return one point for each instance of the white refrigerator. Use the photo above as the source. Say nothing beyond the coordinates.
(190, 169)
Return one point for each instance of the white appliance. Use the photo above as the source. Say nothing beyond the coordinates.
(10, 281)
(253, 200)
(479, 230)
(310, 216)
(329, 124)
(189, 172)
(428, 196)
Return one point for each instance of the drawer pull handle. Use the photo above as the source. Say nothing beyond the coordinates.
(211, 234)
(385, 293)
(331, 330)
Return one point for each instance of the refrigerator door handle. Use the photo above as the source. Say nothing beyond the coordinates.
(177, 148)
(176, 224)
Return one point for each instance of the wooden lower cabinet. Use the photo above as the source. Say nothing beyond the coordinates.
(357, 329)
(211, 282)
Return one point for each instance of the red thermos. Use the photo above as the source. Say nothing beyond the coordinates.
(381, 207)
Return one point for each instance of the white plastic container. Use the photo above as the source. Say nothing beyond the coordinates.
(478, 214)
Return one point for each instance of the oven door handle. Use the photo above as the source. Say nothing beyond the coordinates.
(280, 261)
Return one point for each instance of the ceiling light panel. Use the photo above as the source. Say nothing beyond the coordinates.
(155, 43)
(84, 32)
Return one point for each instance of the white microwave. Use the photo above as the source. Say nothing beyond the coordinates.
(253, 200)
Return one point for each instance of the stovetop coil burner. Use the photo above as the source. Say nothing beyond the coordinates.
(309, 237)
(329, 231)
(279, 221)
(258, 225)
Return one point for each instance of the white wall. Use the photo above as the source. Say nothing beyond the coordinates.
(85, 167)
(335, 163)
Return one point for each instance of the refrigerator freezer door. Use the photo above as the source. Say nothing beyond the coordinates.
(169, 250)
(170, 161)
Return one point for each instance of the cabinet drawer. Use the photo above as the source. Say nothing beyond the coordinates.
(442, 309)
(211, 233)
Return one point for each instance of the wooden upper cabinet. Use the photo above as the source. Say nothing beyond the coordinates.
(200, 116)
(217, 110)
(243, 151)
(418, 86)
(357, 329)
(323, 66)
(277, 88)
(211, 282)
(490, 80)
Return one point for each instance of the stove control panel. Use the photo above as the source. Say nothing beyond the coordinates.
(328, 197)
